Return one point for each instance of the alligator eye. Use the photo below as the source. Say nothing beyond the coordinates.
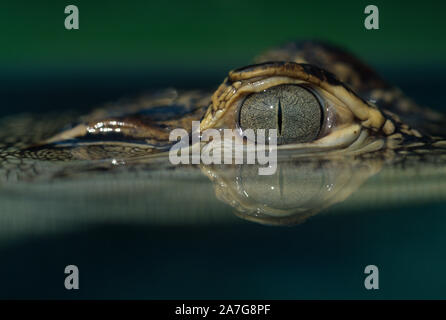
(310, 109)
(293, 110)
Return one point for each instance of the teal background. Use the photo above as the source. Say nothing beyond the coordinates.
(124, 48)
(212, 34)
(324, 258)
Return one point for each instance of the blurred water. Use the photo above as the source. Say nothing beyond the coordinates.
(164, 234)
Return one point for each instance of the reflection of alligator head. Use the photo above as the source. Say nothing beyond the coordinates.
(299, 188)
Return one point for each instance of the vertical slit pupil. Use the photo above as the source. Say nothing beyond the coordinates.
(279, 118)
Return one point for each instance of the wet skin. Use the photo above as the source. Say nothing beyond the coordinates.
(339, 124)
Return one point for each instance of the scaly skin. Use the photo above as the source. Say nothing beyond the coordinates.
(132, 136)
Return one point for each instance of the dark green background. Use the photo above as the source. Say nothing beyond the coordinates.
(212, 34)
(123, 48)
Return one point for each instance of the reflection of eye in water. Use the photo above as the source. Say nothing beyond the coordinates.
(288, 188)
(298, 189)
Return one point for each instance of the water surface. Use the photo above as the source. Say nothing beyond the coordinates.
(163, 232)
